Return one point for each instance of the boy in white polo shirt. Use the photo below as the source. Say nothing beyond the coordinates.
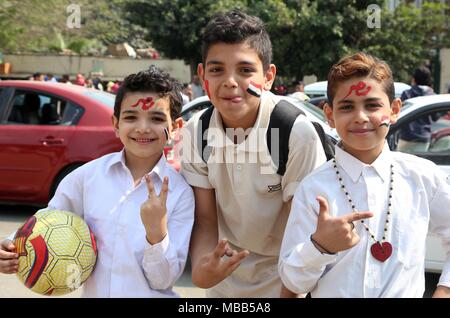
(242, 204)
(359, 223)
(139, 208)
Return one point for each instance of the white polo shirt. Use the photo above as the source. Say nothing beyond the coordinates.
(251, 196)
(420, 202)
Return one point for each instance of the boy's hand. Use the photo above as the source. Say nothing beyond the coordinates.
(154, 212)
(442, 292)
(336, 234)
(212, 269)
(9, 260)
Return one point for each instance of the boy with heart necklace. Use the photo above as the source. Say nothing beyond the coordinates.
(358, 224)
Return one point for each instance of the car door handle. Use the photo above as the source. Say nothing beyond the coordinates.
(52, 141)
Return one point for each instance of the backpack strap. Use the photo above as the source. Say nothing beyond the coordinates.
(202, 143)
(282, 118)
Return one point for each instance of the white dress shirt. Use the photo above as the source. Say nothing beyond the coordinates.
(103, 193)
(421, 202)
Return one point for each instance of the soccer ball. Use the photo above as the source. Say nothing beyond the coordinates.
(57, 252)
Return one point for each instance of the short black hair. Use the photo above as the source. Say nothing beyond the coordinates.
(422, 75)
(152, 80)
(234, 27)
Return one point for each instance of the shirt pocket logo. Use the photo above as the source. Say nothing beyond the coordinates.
(274, 188)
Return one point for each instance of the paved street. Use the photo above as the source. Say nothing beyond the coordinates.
(11, 217)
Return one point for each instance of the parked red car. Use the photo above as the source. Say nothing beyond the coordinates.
(46, 131)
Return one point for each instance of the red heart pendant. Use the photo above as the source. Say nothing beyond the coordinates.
(381, 251)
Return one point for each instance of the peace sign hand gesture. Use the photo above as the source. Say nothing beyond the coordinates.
(154, 212)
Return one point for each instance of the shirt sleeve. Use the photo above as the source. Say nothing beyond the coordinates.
(301, 264)
(164, 262)
(193, 168)
(305, 154)
(440, 221)
(69, 194)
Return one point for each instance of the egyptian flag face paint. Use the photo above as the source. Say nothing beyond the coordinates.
(254, 89)
(166, 133)
(385, 121)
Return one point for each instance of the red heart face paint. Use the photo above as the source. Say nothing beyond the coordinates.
(361, 89)
(146, 103)
(206, 84)
(385, 121)
(254, 89)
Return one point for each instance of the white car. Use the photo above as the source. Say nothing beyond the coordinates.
(319, 89)
(437, 150)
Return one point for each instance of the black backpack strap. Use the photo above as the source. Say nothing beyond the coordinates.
(327, 143)
(282, 118)
(202, 143)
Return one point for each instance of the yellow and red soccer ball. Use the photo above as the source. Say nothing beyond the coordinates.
(57, 252)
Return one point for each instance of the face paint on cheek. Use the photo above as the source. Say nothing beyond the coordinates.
(385, 121)
(254, 89)
(146, 103)
(166, 133)
(361, 89)
(206, 84)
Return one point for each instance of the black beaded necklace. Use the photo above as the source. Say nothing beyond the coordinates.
(380, 250)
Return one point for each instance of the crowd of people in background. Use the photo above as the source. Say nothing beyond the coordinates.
(190, 90)
(93, 81)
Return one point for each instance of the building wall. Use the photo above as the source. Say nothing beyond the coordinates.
(112, 67)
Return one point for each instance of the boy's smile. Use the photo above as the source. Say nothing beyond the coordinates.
(362, 114)
(228, 72)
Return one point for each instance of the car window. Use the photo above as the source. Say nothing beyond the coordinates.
(32, 108)
(103, 97)
(315, 110)
(426, 135)
(186, 115)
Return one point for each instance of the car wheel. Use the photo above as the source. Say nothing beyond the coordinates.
(61, 176)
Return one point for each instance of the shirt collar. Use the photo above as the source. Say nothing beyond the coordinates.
(217, 137)
(354, 167)
(160, 169)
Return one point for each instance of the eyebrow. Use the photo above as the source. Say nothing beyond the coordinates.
(151, 112)
(372, 99)
(214, 62)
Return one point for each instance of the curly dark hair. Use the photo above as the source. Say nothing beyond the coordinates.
(152, 80)
(234, 27)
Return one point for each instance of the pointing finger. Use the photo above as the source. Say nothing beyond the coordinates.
(358, 216)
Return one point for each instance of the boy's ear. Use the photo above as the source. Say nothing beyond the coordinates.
(200, 72)
(270, 77)
(177, 124)
(328, 111)
(115, 124)
(396, 106)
